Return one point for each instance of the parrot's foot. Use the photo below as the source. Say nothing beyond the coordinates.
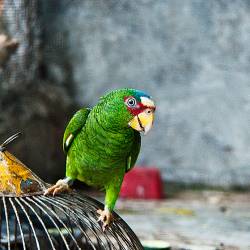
(60, 187)
(105, 217)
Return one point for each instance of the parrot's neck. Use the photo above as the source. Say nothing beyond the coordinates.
(111, 123)
(114, 128)
(117, 141)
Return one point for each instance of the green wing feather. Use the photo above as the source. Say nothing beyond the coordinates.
(134, 153)
(75, 125)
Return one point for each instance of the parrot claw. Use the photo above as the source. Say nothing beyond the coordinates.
(105, 217)
(60, 187)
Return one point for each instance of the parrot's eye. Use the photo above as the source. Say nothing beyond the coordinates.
(131, 102)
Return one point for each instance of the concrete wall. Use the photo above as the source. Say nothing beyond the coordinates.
(30, 103)
(192, 56)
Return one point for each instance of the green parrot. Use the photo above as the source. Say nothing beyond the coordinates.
(103, 143)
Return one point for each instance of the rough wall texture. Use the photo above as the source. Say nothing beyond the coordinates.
(28, 104)
(19, 23)
(192, 56)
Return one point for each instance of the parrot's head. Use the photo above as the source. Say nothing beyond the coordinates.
(131, 108)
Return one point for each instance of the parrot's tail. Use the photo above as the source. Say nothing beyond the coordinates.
(8, 141)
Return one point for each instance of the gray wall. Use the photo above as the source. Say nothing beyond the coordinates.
(29, 103)
(192, 56)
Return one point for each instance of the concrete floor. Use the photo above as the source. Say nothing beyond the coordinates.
(207, 220)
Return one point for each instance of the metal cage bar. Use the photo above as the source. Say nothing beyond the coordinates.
(66, 221)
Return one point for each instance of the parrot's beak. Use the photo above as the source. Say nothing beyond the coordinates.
(143, 122)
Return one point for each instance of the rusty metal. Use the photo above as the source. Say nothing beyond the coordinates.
(30, 220)
(16, 179)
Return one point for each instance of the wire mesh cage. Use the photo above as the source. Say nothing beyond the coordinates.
(30, 220)
(64, 222)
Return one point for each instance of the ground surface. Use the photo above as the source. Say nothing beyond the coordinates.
(207, 220)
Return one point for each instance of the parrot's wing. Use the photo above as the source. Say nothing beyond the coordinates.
(75, 125)
(134, 153)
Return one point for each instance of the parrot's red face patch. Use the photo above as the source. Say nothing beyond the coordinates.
(142, 111)
(133, 106)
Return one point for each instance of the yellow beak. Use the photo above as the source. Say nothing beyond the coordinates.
(143, 122)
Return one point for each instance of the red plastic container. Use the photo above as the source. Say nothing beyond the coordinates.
(142, 183)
